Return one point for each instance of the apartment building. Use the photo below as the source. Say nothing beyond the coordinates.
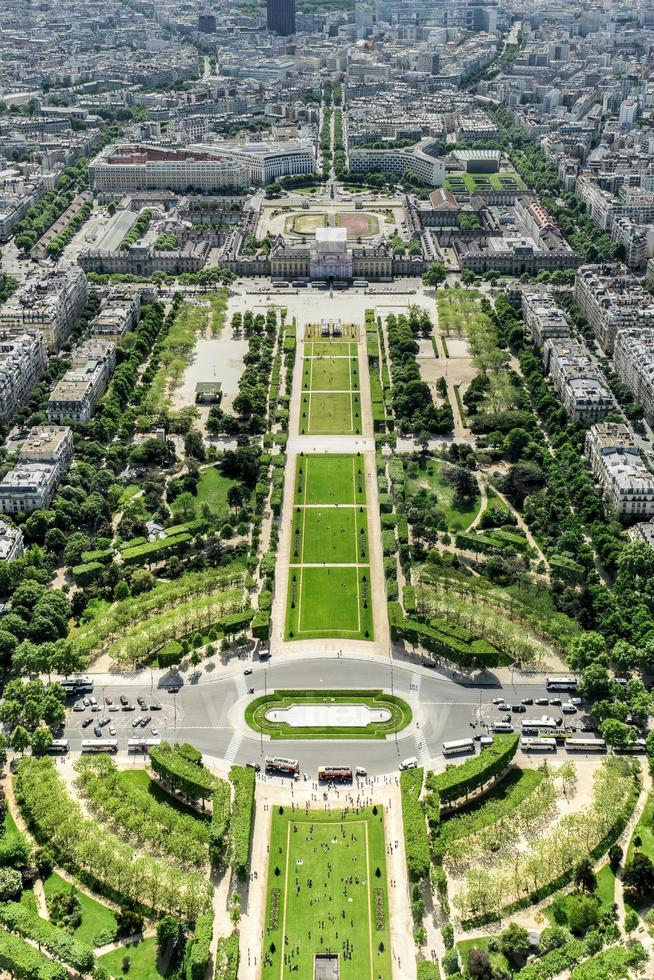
(121, 167)
(543, 317)
(32, 483)
(50, 304)
(266, 162)
(22, 360)
(11, 541)
(633, 359)
(618, 466)
(75, 397)
(612, 300)
(118, 315)
(581, 387)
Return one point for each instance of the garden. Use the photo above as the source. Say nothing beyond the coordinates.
(399, 714)
(331, 402)
(327, 894)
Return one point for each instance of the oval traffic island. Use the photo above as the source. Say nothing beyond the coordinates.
(328, 714)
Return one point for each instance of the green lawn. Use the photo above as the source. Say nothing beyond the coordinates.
(331, 374)
(329, 602)
(98, 921)
(329, 413)
(130, 491)
(140, 778)
(212, 489)
(327, 892)
(143, 963)
(645, 830)
(330, 348)
(257, 711)
(457, 517)
(498, 960)
(332, 535)
(330, 479)
(605, 887)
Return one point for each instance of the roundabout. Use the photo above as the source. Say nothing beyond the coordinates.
(328, 714)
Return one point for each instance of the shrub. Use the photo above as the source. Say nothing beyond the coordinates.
(416, 841)
(227, 958)
(21, 960)
(60, 944)
(199, 956)
(461, 780)
(220, 816)
(193, 781)
(240, 830)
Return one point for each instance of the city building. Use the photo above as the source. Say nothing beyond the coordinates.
(120, 168)
(76, 395)
(618, 466)
(399, 162)
(633, 359)
(44, 458)
(22, 360)
(543, 317)
(50, 304)
(612, 300)
(581, 387)
(280, 17)
(11, 541)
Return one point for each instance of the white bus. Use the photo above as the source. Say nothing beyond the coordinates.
(280, 284)
(502, 726)
(77, 685)
(638, 745)
(585, 745)
(460, 746)
(538, 744)
(59, 746)
(142, 744)
(561, 684)
(540, 723)
(99, 745)
(360, 284)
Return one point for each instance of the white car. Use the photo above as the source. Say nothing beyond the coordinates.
(78, 706)
(247, 671)
(155, 731)
(112, 731)
(575, 701)
(568, 708)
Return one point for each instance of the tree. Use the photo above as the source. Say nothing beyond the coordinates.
(595, 682)
(41, 740)
(184, 506)
(435, 275)
(585, 877)
(638, 876)
(583, 913)
(514, 943)
(615, 857)
(130, 922)
(170, 938)
(11, 884)
(631, 921)
(194, 445)
(479, 964)
(616, 733)
(587, 648)
(515, 443)
(19, 739)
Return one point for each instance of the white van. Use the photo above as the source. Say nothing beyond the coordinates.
(502, 726)
(410, 763)
(568, 708)
(361, 772)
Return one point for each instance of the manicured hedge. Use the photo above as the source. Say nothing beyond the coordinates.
(85, 574)
(446, 640)
(462, 780)
(199, 957)
(240, 828)
(193, 781)
(227, 957)
(428, 971)
(236, 622)
(261, 625)
(155, 550)
(60, 944)
(416, 840)
(220, 817)
(23, 961)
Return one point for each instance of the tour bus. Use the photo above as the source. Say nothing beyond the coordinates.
(319, 284)
(360, 284)
(340, 284)
(99, 745)
(280, 284)
(59, 746)
(283, 767)
(538, 744)
(335, 774)
(544, 722)
(77, 685)
(561, 684)
(638, 745)
(585, 745)
(461, 745)
(142, 744)
(299, 284)
(502, 726)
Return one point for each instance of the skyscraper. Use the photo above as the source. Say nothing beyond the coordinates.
(281, 16)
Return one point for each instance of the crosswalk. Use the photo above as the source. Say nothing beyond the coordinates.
(414, 686)
(241, 686)
(422, 749)
(233, 747)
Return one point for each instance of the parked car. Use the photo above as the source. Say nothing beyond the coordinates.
(527, 701)
(568, 708)
(503, 706)
(129, 707)
(141, 700)
(541, 701)
(575, 701)
(86, 702)
(105, 721)
(497, 701)
(87, 722)
(78, 706)
(556, 701)
(136, 723)
(96, 707)
(112, 731)
(98, 731)
(108, 699)
(155, 707)
(124, 699)
(114, 707)
(507, 719)
(93, 701)
(518, 708)
(154, 730)
(247, 671)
